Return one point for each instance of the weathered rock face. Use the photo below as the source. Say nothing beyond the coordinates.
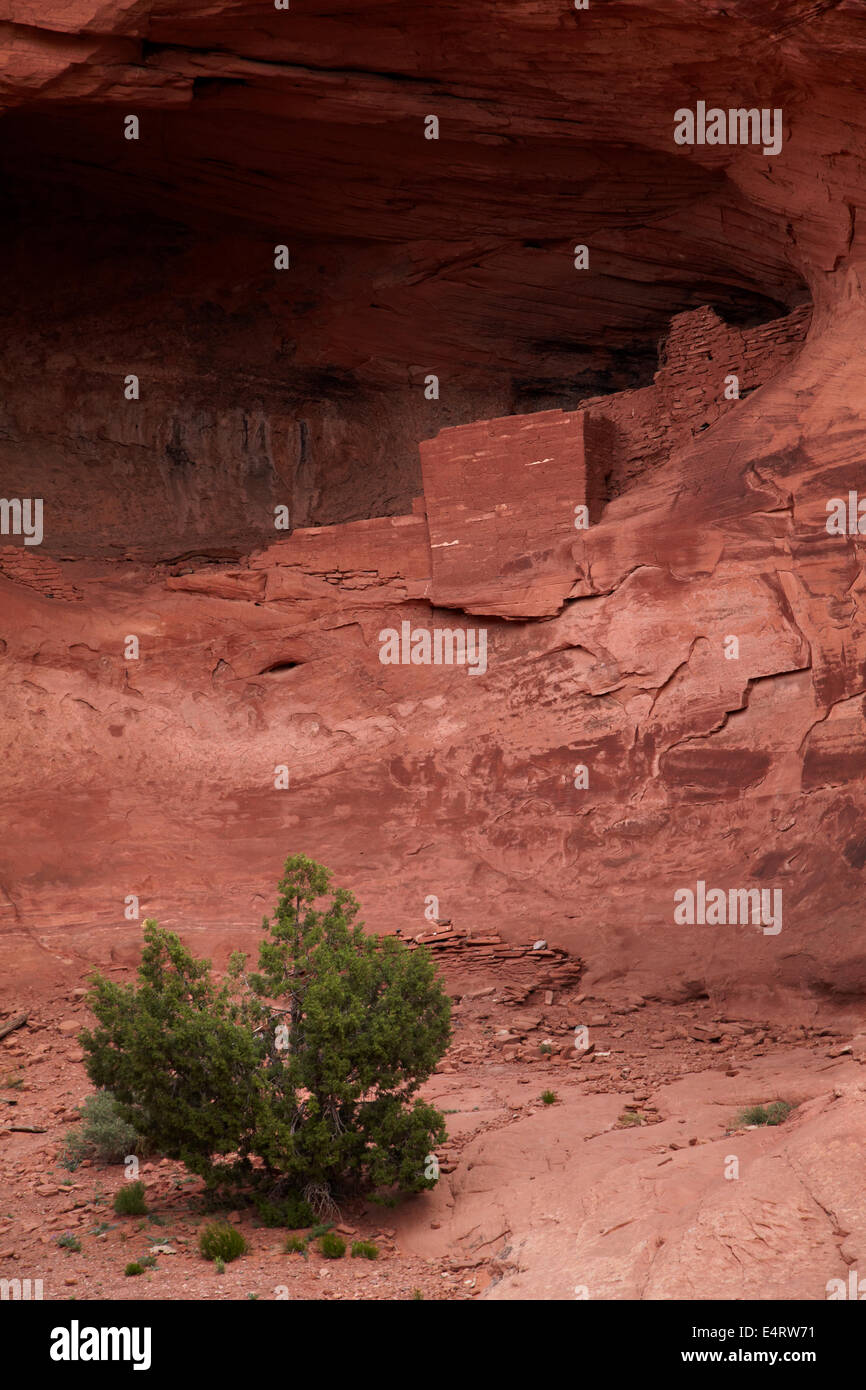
(503, 549)
(672, 696)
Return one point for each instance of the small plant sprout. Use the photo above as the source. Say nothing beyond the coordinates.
(331, 1246)
(129, 1200)
(218, 1240)
(771, 1114)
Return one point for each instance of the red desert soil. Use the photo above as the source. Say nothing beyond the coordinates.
(559, 1201)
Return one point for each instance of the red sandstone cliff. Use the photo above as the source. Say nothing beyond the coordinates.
(306, 388)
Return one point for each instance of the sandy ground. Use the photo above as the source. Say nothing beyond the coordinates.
(530, 1193)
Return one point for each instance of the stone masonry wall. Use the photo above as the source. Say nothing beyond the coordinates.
(688, 394)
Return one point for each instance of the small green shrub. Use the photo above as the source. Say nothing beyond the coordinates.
(196, 1065)
(291, 1211)
(102, 1135)
(772, 1114)
(545, 1049)
(129, 1200)
(320, 1230)
(548, 1097)
(69, 1242)
(219, 1265)
(218, 1240)
(630, 1117)
(332, 1247)
(295, 1245)
(134, 1267)
(364, 1250)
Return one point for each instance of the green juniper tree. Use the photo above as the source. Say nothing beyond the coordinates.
(181, 1061)
(304, 1075)
(355, 1025)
